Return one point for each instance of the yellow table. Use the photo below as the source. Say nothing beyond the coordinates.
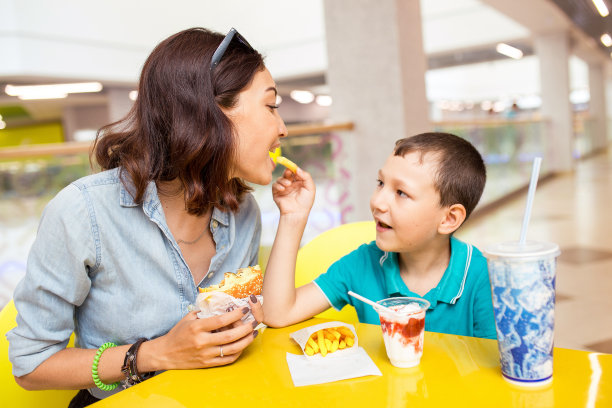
(455, 371)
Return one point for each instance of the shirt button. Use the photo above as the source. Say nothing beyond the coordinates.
(215, 224)
(210, 275)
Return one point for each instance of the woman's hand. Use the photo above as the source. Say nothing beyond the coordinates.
(294, 193)
(199, 343)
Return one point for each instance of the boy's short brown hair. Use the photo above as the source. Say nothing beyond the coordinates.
(461, 174)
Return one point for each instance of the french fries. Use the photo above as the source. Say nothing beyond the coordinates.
(287, 163)
(329, 340)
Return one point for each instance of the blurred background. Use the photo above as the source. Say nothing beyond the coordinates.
(518, 79)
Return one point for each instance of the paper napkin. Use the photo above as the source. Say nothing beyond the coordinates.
(351, 362)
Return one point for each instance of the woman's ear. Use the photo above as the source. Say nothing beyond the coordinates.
(453, 218)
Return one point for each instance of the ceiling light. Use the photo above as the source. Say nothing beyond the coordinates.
(509, 51)
(601, 7)
(302, 96)
(324, 100)
(606, 39)
(499, 106)
(133, 95)
(42, 95)
(529, 102)
(2, 124)
(51, 91)
(444, 105)
(579, 96)
(279, 100)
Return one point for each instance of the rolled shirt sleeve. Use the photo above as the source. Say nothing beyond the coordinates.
(56, 281)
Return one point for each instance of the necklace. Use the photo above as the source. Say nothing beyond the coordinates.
(181, 241)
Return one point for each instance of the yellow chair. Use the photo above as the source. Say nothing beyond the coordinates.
(12, 394)
(316, 257)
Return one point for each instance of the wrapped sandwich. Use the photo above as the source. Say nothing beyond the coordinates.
(233, 292)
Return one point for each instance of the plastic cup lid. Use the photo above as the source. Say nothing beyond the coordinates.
(513, 249)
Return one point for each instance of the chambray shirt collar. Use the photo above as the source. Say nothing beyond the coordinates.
(151, 202)
(450, 287)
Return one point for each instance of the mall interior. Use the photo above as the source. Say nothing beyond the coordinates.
(519, 79)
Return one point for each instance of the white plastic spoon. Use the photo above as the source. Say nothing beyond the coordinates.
(374, 304)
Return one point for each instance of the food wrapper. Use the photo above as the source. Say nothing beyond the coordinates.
(215, 303)
(301, 338)
(351, 362)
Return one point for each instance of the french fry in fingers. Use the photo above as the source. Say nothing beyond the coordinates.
(287, 163)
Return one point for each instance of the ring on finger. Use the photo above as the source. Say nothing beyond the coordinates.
(220, 351)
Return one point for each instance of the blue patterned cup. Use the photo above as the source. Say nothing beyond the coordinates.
(523, 289)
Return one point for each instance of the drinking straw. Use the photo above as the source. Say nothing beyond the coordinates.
(535, 171)
(373, 304)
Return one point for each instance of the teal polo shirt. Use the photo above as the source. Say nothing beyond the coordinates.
(460, 304)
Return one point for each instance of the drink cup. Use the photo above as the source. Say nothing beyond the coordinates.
(523, 289)
(403, 331)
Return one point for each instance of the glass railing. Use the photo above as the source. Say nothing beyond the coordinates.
(315, 153)
(29, 177)
(508, 149)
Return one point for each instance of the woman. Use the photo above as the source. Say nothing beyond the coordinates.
(119, 255)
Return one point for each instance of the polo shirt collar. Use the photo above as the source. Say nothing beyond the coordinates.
(394, 285)
(450, 287)
(452, 283)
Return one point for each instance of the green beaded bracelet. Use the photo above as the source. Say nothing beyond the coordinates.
(94, 369)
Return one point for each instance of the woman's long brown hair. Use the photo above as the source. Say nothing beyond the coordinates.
(176, 128)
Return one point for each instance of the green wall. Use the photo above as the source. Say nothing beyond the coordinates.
(34, 134)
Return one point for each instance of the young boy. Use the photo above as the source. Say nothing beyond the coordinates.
(426, 189)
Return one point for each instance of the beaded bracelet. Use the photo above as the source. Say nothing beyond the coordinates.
(94, 369)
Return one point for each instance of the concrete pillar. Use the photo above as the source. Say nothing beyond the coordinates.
(597, 105)
(119, 103)
(81, 122)
(376, 73)
(553, 52)
(608, 82)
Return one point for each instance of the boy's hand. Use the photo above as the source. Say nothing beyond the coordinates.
(294, 193)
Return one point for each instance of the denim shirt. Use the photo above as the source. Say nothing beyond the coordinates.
(110, 269)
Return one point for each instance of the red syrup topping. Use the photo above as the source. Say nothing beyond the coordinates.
(410, 333)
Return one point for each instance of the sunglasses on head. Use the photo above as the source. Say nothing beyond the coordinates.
(216, 58)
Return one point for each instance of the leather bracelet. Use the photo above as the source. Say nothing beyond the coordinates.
(129, 367)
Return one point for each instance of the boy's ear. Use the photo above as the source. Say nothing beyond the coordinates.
(453, 218)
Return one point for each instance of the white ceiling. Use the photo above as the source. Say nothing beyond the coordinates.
(108, 41)
(460, 24)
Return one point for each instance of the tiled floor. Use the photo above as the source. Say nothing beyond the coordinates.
(572, 210)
